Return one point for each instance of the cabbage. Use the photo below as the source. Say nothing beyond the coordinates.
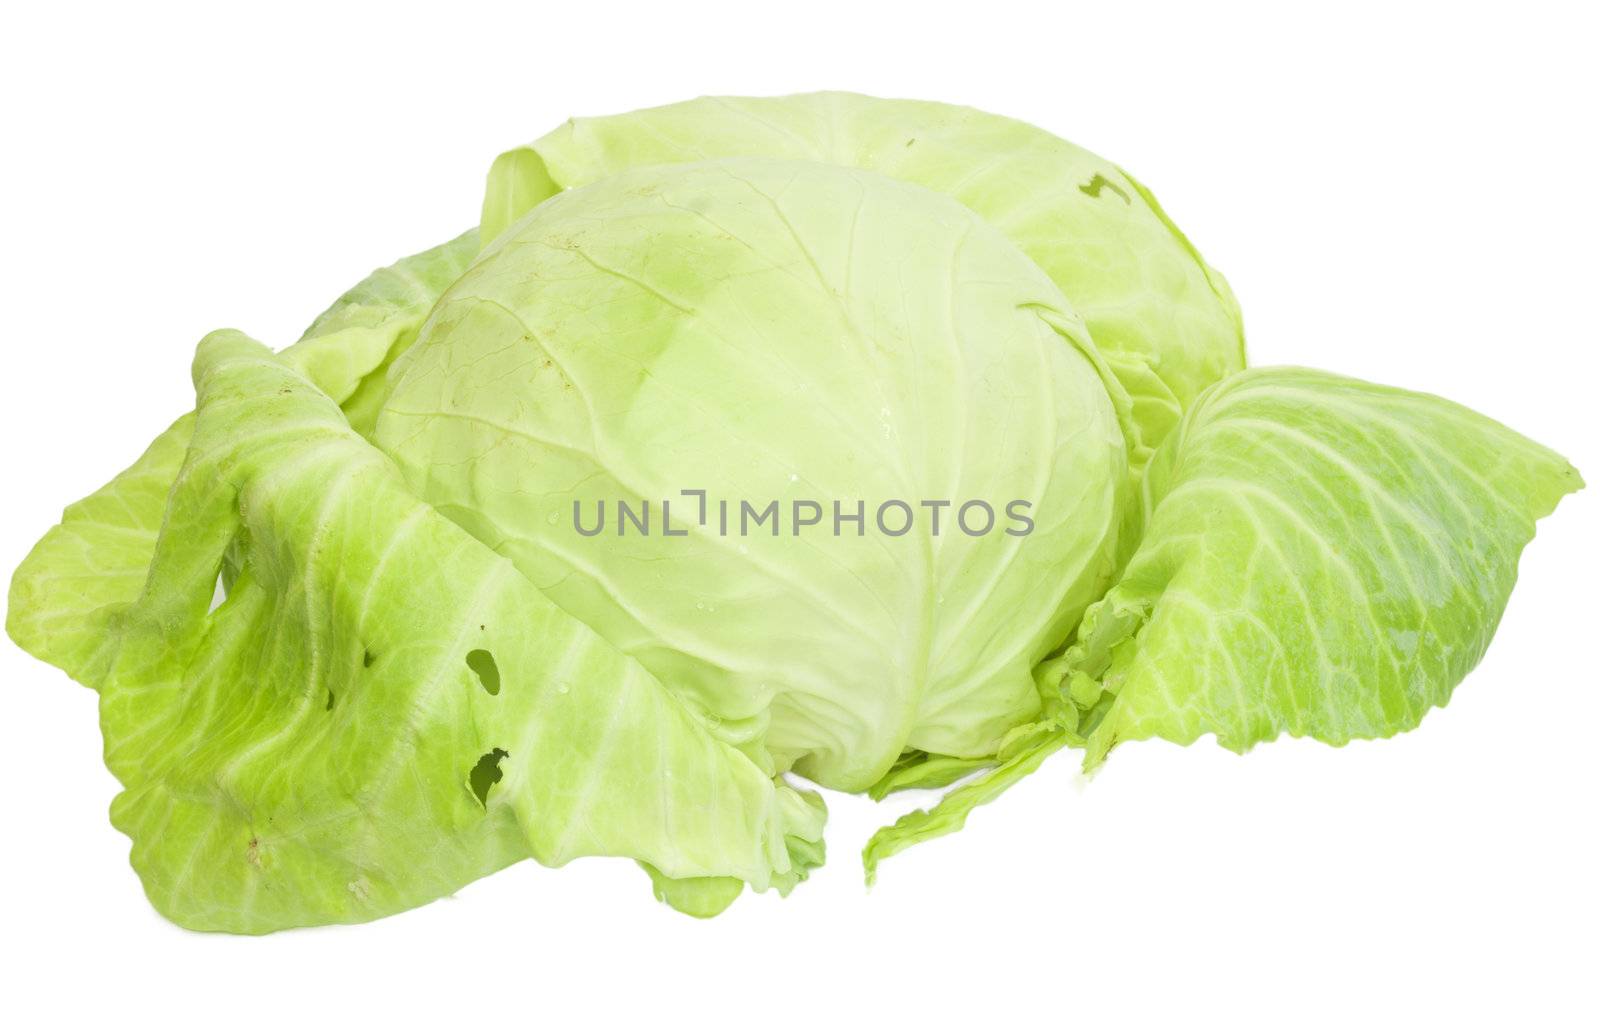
(638, 337)
(747, 443)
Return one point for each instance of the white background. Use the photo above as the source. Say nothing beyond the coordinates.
(1403, 194)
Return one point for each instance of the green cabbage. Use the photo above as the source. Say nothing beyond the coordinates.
(355, 646)
(962, 374)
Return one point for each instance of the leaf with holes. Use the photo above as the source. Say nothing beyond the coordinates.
(476, 724)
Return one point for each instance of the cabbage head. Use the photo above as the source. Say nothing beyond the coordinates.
(746, 444)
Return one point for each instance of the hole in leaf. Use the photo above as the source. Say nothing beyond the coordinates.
(482, 663)
(486, 774)
(1099, 182)
(367, 659)
(330, 700)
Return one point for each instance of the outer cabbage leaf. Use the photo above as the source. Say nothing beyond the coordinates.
(349, 347)
(97, 558)
(94, 561)
(1166, 322)
(1324, 557)
(383, 710)
(1020, 756)
(769, 330)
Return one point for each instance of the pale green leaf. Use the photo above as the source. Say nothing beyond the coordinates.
(328, 745)
(1324, 558)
